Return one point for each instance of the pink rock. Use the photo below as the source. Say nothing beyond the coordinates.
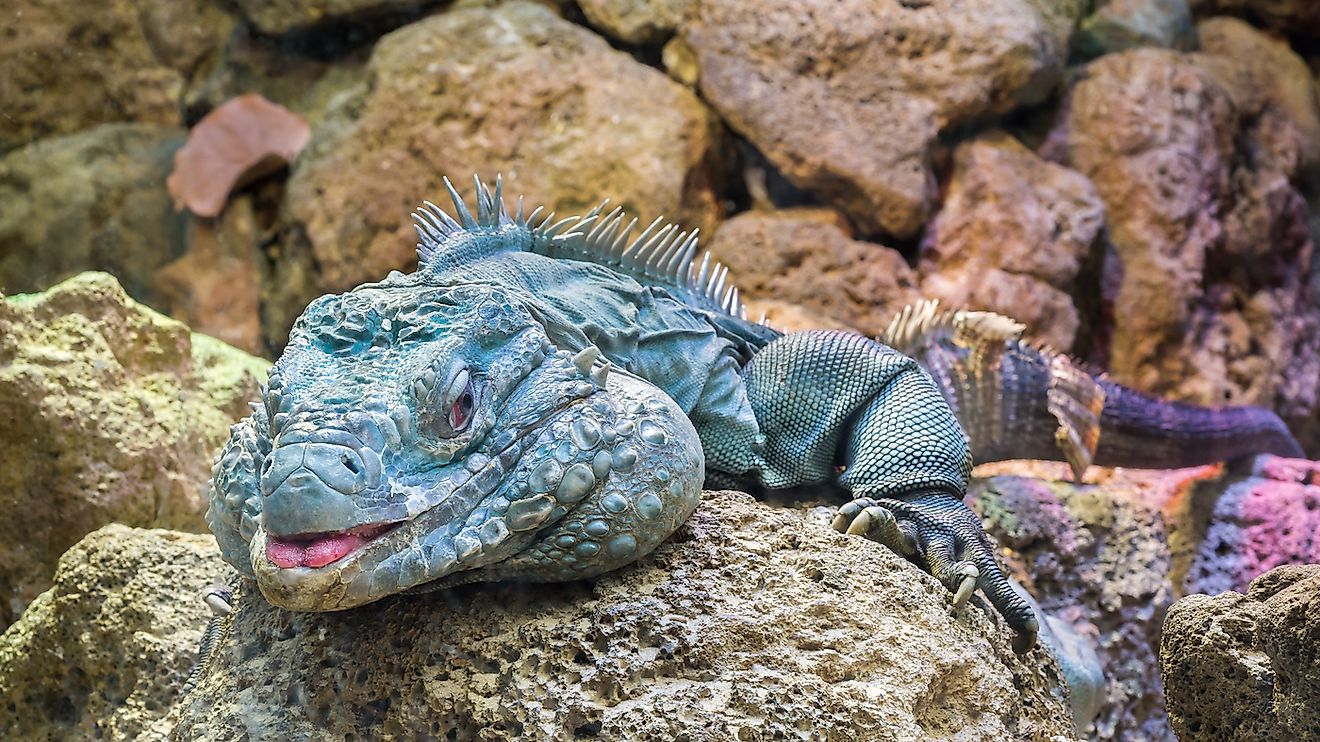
(1261, 522)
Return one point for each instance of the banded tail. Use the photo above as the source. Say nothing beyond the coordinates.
(1020, 401)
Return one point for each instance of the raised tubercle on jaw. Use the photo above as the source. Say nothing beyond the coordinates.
(319, 549)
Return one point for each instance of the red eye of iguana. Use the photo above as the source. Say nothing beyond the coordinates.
(461, 412)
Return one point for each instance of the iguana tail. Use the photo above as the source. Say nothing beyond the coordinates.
(1019, 401)
(1148, 432)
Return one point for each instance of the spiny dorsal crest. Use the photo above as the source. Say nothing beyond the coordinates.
(661, 255)
(920, 324)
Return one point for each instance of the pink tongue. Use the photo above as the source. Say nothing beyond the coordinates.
(318, 553)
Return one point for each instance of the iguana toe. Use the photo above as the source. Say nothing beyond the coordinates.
(939, 533)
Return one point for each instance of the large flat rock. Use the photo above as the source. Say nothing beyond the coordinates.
(753, 622)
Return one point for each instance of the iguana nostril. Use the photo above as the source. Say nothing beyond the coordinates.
(349, 463)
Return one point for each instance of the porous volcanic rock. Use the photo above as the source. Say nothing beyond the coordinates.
(1012, 236)
(67, 65)
(846, 98)
(1258, 522)
(1212, 280)
(1246, 667)
(1097, 556)
(753, 622)
(636, 21)
(108, 412)
(104, 653)
(91, 201)
(513, 89)
(807, 258)
(1265, 79)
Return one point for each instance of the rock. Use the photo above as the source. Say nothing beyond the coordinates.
(804, 257)
(67, 65)
(513, 89)
(1267, 79)
(1096, 556)
(1116, 25)
(1256, 523)
(800, 81)
(1012, 236)
(1296, 17)
(1242, 667)
(299, 73)
(636, 21)
(108, 412)
(94, 200)
(753, 623)
(104, 653)
(276, 17)
(216, 286)
(1211, 283)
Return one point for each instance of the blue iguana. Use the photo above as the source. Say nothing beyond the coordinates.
(544, 399)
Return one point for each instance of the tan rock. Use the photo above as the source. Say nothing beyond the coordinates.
(281, 16)
(753, 623)
(805, 257)
(1265, 78)
(513, 90)
(67, 65)
(108, 412)
(1011, 237)
(1241, 666)
(104, 653)
(636, 21)
(1214, 297)
(846, 98)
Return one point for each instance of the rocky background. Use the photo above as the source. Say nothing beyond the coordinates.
(1136, 180)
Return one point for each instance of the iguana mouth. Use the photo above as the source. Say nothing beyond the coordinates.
(317, 550)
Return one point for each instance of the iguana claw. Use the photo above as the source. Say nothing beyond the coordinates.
(939, 533)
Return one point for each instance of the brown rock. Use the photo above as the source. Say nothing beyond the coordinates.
(804, 257)
(108, 412)
(1297, 17)
(1265, 78)
(67, 65)
(636, 21)
(1011, 237)
(104, 653)
(1240, 667)
(91, 201)
(752, 623)
(215, 287)
(846, 98)
(1214, 294)
(514, 89)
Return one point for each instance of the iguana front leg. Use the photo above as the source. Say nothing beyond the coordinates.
(827, 399)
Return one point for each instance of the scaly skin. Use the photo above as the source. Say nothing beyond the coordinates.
(542, 402)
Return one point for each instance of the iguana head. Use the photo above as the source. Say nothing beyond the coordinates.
(399, 428)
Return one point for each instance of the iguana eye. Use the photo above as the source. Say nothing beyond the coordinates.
(461, 400)
(461, 412)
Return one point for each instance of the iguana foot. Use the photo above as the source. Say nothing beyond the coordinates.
(939, 534)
